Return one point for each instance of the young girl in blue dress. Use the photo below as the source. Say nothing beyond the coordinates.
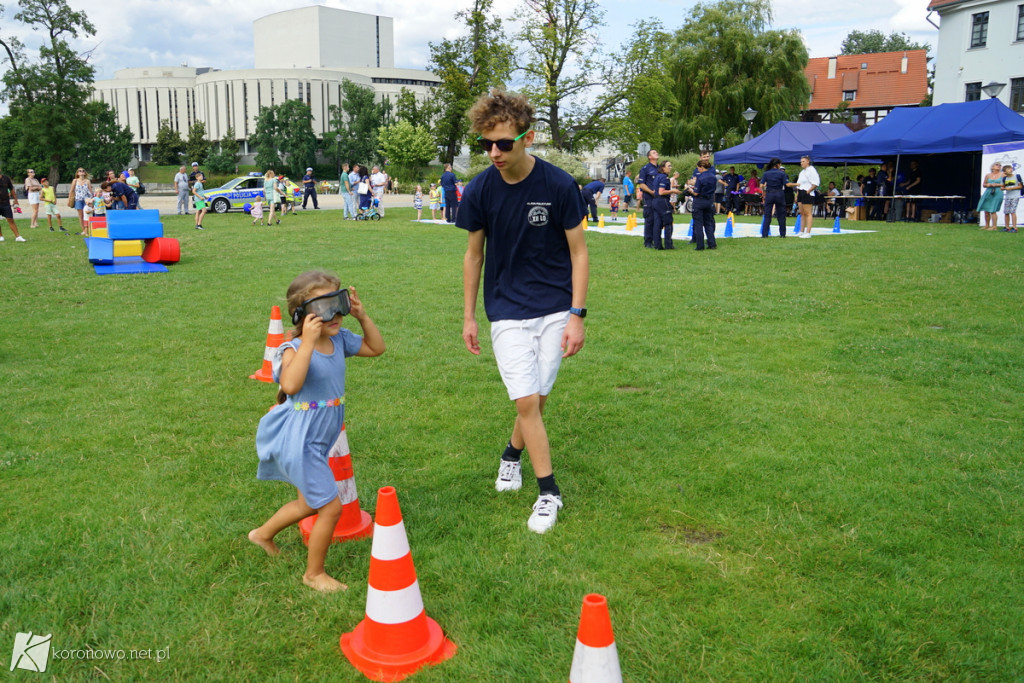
(294, 438)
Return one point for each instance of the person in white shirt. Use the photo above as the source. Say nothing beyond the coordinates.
(807, 185)
(182, 187)
(378, 182)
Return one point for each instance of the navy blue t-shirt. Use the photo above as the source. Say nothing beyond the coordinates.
(527, 268)
(595, 187)
(706, 185)
(646, 177)
(774, 180)
(123, 189)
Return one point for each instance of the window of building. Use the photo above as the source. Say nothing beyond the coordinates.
(972, 92)
(1020, 22)
(1017, 94)
(863, 65)
(979, 29)
(849, 95)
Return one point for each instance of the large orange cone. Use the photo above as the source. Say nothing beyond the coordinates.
(397, 637)
(275, 337)
(354, 522)
(595, 660)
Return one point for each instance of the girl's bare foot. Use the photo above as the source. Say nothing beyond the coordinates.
(267, 544)
(324, 583)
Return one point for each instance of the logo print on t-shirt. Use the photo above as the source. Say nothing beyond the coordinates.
(538, 216)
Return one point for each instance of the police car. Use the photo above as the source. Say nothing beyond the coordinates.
(238, 192)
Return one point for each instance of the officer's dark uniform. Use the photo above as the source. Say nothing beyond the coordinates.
(662, 212)
(704, 210)
(774, 183)
(646, 177)
(590, 190)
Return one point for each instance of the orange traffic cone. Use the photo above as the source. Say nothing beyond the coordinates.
(595, 660)
(354, 522)
(396, 637)
(275, 337)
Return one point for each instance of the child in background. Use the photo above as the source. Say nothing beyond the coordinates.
(48, 196)
(613, 203)
(257, 209)
(417, 202)
(293, 440)
(1011, 196)
(198, 191)
(435, 201)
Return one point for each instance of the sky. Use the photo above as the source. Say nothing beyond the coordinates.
(171, 33)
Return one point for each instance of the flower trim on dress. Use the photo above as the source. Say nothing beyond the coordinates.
(316, 405)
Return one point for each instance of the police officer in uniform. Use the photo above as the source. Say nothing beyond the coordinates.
(645, 183)
(662, 208)
(704, 206)
(774, 183)
(591, 193)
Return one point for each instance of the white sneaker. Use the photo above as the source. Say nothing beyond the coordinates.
(804, 235)
(19, 238)
(545, 513)
(510, 476)
(2, 238)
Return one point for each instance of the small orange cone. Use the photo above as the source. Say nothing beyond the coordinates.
(595, 660)
(354, 523)
(275, 337)
(396, 637)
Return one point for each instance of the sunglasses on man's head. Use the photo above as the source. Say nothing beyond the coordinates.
(504, 145)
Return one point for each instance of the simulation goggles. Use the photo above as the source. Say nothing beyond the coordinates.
(325, 306)
(504, 145)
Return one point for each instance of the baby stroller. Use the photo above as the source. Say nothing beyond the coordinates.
(370, 214)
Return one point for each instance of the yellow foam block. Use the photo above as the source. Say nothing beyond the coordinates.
(99, 232)
(127, 247)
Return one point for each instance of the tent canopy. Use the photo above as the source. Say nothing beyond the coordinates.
(787, 140)
(952, 127)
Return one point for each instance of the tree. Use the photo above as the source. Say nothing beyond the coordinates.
(561, 51)
(357, 120)
(46, 91)
(169, 146)
(105, 145)
(406, 146)
(408, 108)
(724, 60)
(265, 139)
(467, 67)
(225, 159)
(867, 42)
(197, 147)
(284, 137)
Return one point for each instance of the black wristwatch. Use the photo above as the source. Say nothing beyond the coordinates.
(581, 312)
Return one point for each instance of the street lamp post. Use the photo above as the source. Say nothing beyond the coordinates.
(337, 153)
(749, 115)
(570, 132)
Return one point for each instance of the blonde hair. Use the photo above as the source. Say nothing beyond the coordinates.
(269, 173)
(498, 107)
(298, 291)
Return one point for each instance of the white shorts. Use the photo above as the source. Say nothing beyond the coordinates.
(529, 353)
(33, 198)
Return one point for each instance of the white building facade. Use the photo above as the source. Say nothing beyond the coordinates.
(980, 42)
(336, 45)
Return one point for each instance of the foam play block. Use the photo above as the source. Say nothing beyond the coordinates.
(100, 250)
(143, 224)
(162, 250)
(129, 266)
(128, 248)
(99, 232)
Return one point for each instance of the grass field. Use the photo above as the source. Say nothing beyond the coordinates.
(781, 460)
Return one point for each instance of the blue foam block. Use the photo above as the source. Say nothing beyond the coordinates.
(126, 265)
(143, 224)
(100, 250)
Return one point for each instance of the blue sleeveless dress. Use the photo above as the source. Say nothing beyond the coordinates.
(294, 438)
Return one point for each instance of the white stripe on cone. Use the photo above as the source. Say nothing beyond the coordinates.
(276, 327)
(340, 446)
(389, 542)
(595, 664)
(394, 607)
(347, 491)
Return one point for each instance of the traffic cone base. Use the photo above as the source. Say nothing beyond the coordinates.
(381, 666)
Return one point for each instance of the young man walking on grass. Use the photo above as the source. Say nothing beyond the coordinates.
(525, 222)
